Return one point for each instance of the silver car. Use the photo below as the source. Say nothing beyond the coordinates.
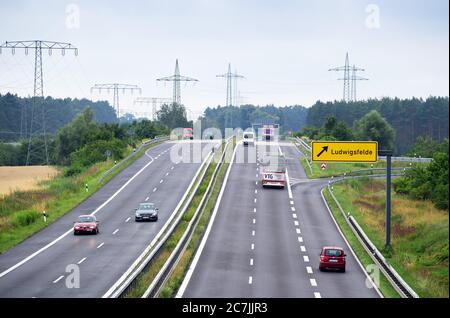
(146, 212)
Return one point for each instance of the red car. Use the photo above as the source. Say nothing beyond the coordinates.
(332, 257)
(86, 224)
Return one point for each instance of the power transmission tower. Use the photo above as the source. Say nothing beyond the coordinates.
(116, 87)
(355, 78)
(346, 70)
(177, 79)
(229, 100)
(154, 101)
(38, 127)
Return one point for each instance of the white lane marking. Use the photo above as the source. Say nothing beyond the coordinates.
(250, 280)
(305, 258)
(71, 230)
(313, 282)
(115, 232)
(293, 209)
(298, 231)
(146, 199)
(154, 190)
(101, 245)
(171, 168)
(253, 233)
(317, 295)
(292, 202)
(254, 210)
(255, 200)
(294, 215)
(251, 261)
(161, 181)
(167, 174)
(191, 269)
(300, 239)
(256, 182)
(252, 246)
(296, 223)
(303, 248)
(257, 175)
(254, 221)
(128, 219)
(256, 191)
(309, 269)
(81, 260)
(58, 279)
(288, 185)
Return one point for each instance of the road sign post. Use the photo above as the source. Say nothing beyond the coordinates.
(388, 154)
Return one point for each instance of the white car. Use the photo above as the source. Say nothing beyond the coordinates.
(249, 138)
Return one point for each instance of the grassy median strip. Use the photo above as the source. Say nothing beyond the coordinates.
(385, 287)
(21, 211)
(146, 278)
(420, 246)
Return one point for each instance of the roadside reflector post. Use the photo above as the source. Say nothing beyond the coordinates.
(388, 154)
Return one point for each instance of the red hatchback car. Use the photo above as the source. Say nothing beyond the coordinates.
(332, 257)
(86, 224)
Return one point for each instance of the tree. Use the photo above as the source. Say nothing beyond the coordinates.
(173, 116)
(374, 127)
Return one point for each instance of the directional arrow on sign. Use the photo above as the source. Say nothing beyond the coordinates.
(324, 149)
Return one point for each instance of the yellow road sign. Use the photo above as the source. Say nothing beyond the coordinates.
(344, 151)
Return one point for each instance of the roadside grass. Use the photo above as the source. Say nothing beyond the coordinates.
(420, 233)
(21, 211)
(157, 263)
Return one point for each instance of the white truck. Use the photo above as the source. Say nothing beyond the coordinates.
(273, 170)
(248, 138)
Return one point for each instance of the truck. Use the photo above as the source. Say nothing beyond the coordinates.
(248, 138)
(273, 170)
(187, 134)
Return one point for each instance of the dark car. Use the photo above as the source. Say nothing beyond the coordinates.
(146, 212)
(332, 257)
(87, 224)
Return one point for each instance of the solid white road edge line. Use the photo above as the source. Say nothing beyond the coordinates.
(70, 231)
(191, 269)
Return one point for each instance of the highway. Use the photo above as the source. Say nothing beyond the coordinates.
(38, 266)
(266, 242)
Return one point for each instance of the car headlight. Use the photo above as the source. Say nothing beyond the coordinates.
(138, 214)
(77, 227)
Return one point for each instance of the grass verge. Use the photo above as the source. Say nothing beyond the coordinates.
(420, 233)
(21, 211)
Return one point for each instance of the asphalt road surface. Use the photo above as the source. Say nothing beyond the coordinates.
(101, 259)
(265, 244)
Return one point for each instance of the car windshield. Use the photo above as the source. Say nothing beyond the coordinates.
(86, 219)
(146, 206)
(333, 252)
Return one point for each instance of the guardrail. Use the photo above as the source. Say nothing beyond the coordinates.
(306, 157)
(171, 263)
(131, 155)
(391, 274)
(127, 281)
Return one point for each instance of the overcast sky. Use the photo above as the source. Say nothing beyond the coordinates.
(283, 48)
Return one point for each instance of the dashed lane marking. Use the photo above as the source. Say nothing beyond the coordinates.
(309, 269)
(58, 279)
(115, 232)
(317, 295)
(305, 258)
(303, 248)
(101, 245)
(313, 282)
(81, 260)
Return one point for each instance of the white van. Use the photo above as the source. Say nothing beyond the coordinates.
(248, 138)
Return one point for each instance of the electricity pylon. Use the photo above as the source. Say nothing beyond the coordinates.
(349, 79)
(38, 127)
(177, 79)
(154, 101)
(231, 77)
(116, 87)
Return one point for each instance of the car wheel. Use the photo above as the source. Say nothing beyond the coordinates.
(97, 232)
(321, 269)
(343, 270)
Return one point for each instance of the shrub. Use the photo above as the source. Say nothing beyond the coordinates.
(24, 218)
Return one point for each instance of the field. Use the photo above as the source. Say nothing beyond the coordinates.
(419, 233)
(24, 178)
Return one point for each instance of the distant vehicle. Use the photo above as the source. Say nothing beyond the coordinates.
(268, 133)
(249, 138)
(273, 170)
(187, 134)
(332, 257)
(146, 212)
(86, 224)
